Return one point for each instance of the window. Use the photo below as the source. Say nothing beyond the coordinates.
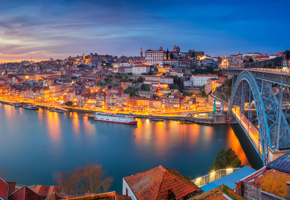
(171, 195)
(126, 191)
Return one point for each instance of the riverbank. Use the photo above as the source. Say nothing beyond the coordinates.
(183, 116)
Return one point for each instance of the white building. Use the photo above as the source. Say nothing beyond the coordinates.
(125, 70)
(167, 80)
(140, 69)
(154, 57)
(158, 79)
(201, 79)
(187, 83)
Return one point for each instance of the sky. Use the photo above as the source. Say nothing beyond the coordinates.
(43, 29)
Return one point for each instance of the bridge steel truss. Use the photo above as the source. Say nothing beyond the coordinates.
(274, 131)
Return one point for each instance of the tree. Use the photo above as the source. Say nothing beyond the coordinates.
(145, 87)
(85, 179)
(140, 79)
(287, 52)
(69, 103)
(226, 159)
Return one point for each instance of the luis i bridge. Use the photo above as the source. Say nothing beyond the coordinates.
(260, 103)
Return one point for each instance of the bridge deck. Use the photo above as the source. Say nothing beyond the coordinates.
(278, 76)
(249, 128)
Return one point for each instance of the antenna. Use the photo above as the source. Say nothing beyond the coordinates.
(3, 174)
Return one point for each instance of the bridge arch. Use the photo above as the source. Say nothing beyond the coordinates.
(264, 132)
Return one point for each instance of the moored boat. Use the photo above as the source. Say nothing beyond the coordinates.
(31, 107)
(113, 118)
(157, 119)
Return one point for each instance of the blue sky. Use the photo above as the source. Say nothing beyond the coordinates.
(58, 28)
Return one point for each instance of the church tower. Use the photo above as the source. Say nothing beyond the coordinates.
(141, 53)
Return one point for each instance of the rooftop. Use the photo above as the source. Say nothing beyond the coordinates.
(219, 193)
(229, 179)
(157, 182)
(281, 164)
(273, 182)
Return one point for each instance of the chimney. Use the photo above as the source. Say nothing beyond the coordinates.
(288, 190)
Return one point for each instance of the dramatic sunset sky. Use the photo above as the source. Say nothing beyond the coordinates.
(42, 29)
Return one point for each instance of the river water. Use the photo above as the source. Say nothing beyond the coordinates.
(36, 145)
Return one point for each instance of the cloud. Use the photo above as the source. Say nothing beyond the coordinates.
(44, 29)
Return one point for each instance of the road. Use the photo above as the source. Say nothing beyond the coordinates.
(253, 133)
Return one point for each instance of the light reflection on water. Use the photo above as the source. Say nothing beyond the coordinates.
(44, 143)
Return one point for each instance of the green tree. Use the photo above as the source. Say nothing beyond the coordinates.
(131, 90)
(69, 103)
(226, 159)
(145, 87)
(140, 79)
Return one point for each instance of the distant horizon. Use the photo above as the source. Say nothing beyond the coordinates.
(45, 59)
(43, 30)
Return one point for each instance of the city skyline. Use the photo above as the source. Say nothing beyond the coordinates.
(40, 30)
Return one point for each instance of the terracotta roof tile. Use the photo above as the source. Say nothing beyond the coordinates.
(219, 193)
(273, 182)
(54, 196)
(4, 187)
(156, 183)
(24, 193)
(102, 196)
(11, 187)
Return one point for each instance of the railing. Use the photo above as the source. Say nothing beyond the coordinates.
(213, 176)
(282, 70)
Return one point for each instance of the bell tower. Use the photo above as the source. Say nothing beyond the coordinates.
(141, 53)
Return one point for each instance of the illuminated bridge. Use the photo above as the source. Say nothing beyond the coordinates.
(260, 104)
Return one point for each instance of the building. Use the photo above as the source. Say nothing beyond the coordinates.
(24, 193)
(154, 57)
(201, 79)
(261, 58)
(187, 83)
(158, 79)
(270, 182)
(45, 191)
(141, 53)
(234, 61)
(4, 189)
(125, 70)
(159, 183)
(222, 192)
(212, 84)
(286, 62)
(125, 85)
(140, 69)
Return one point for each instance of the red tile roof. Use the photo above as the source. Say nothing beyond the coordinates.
(273, 182)
(219, 193)
(24, 193)
(11, 187)
(54, 196)
(4, 187)
(156, 183)
(102, 196)
(45, 191)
